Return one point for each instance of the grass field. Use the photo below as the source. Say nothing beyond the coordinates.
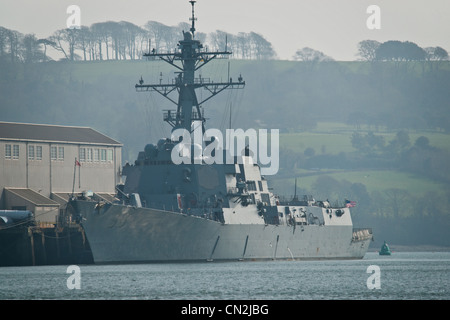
(326, 138)
(333, 138)
(374, 180)
(332, 143)
(381, 180)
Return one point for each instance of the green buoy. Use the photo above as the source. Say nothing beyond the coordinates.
(385, 251)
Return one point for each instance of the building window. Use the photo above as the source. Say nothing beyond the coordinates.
(53, 153)
(110, 155)
(15, 151)
(251, 185)
(265, 198)
(82, 154)
(30, 152)
(38, 152)
(7, 151)
(61, 153)
(89, 154)
(260, 186)
(96, 155)
(103, 155)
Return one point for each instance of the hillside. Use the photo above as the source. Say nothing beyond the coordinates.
(287, 95)
(331, 115)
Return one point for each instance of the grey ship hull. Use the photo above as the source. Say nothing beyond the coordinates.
(125, 234)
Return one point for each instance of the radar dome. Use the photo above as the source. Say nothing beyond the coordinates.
(188, 36)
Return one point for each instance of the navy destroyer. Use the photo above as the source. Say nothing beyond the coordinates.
(202, 210)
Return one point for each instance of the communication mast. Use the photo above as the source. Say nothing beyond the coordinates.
(189, 57)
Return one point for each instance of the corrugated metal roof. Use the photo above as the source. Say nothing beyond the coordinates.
(106, 196)
(43, 132)
(61, 198)
(32, 196)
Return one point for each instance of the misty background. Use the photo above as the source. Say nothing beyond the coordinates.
(334, 27)
(364, 114)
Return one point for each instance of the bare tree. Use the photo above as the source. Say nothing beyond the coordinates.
(31, 49)
(435, 56)
(261, 48)
(367, 49)
(220, 40)
(64, 40)
(440, 54)
(45, 42)
(3, 41)
(184, 27)
(171, 36)
(116, 33)
(83, 39)
(156, 32)
(13, 42)
(101, 32)
(241, 45)
(131, 32)
(310, 55)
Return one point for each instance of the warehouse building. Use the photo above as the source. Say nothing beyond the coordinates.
(41, 166)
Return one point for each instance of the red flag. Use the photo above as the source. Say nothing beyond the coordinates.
(350, 204)
(180, 204)
(77, 163)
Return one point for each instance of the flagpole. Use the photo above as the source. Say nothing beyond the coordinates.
(74, 170)
(79, 174)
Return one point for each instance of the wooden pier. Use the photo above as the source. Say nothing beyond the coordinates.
(44, 244)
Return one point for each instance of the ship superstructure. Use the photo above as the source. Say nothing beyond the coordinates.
(200, 210)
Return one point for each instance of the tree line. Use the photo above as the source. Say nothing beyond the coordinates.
(372, 50)
(373, 152)
(394, 50)
(124, 40)
(419, 158)
(393, 213)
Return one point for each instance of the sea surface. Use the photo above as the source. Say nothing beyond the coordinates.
(403, 275)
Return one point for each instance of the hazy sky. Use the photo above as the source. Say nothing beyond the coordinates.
(332, 26)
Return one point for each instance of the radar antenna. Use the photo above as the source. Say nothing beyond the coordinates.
(193, 19)
(189, 57)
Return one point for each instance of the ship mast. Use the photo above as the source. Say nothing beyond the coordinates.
(189, 57)
(193, 19)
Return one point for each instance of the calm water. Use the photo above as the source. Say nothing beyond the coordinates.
(417, 275)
